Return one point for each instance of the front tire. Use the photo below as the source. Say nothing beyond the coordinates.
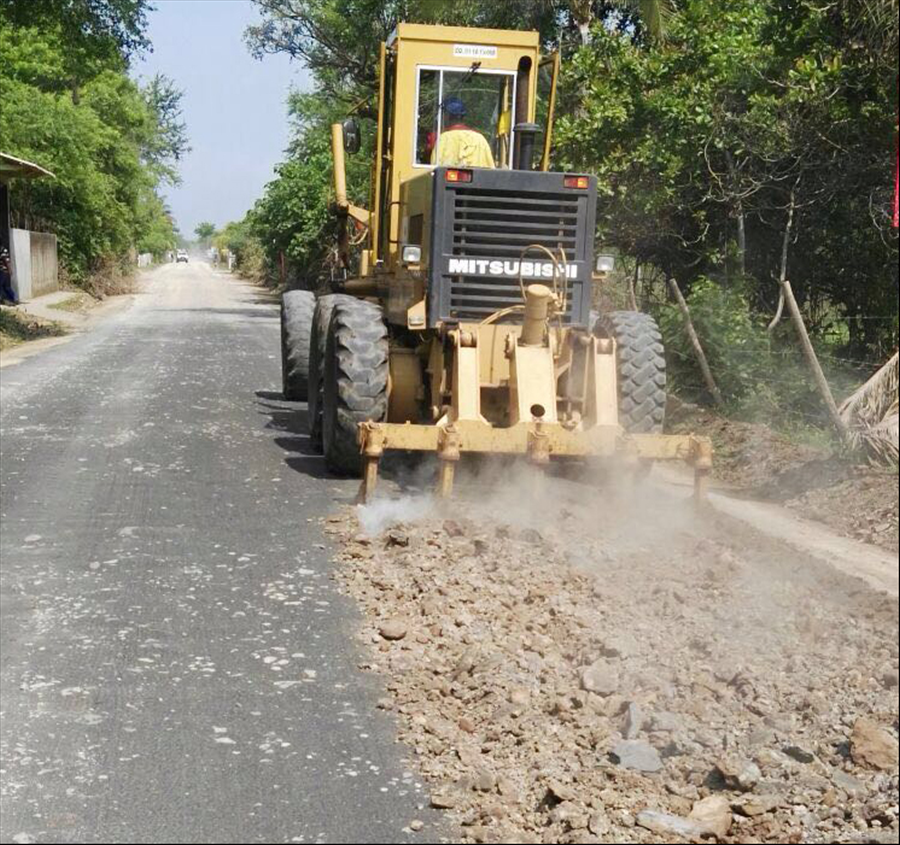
(296, 322)
(641, 369)
(318, 338)
(355, 381)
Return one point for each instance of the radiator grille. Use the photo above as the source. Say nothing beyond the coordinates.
(502, 223)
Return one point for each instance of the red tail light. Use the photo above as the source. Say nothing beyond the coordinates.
(459, 176)
(579, 182)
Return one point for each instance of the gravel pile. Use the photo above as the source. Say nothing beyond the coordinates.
(572, 668)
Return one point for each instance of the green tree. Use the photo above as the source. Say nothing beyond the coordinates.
(168, 144)
(204, 232)
(111, 28)
(106, 145)
(702, 146)
(93, 34)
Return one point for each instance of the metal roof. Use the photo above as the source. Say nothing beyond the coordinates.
(12, 167)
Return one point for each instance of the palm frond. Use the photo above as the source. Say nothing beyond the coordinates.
(655, 15)
(871, 413)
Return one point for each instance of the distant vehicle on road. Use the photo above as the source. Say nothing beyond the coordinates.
(180, 256)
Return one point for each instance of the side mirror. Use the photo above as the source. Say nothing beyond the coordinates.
(351, 133)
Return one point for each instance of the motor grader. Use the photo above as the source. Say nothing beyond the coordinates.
(460, 318)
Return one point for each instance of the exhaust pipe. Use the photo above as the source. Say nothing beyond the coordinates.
(526, 134)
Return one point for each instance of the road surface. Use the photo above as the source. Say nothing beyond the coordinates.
(177, 665)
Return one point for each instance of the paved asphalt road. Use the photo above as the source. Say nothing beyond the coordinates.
(176, 664)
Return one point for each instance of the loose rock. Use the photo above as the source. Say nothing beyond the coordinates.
(637, 754)
(600, 678)
(872, 746)
(393, 629)
(453, 528)
(508, 636)
(756, 805)
(668, 825)
(741, 775)
(396, 537)
(801, 755)
(484, 781)
(848, 783)
(634, 719)
(444, 799)
(713, 814)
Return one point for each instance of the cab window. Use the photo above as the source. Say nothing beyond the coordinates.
(478, 100)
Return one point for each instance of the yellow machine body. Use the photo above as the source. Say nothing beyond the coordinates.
(526, 378)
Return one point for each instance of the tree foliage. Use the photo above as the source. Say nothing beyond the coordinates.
(109, 29)
(702, 146)
(168, 144)
(204, 231)
(69, 105)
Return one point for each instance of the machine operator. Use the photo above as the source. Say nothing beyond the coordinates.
(459, 145)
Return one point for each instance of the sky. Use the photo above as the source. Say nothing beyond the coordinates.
(234, 105)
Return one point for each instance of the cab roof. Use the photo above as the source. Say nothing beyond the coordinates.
(469, 35)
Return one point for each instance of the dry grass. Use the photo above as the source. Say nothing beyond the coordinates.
(77, 303)
(110, 278)
(17, 327)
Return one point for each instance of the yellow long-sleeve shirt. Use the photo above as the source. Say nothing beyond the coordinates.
(462, 148)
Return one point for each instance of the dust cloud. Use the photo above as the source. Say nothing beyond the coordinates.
(381, 513)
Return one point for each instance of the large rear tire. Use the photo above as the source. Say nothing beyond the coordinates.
(296, 323)
(319, 336)
(641, 368)
(355, 380)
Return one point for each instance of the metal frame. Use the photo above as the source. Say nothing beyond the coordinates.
(551, 107)
(537, 440)
(375, 211)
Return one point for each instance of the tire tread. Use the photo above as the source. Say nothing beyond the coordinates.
(357, 380)
(641, 365)
(297, 308)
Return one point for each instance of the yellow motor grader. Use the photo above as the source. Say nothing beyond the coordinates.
(461, 321)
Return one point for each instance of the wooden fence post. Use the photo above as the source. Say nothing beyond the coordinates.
(786, 297)
(813, 361)
(695, 343)
(632, 287)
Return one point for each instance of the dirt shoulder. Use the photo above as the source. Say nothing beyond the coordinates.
(50, 320)
(853, 499)
(18, 326)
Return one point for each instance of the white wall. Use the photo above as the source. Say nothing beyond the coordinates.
(44, 266)
(20, 255)
(35, 267)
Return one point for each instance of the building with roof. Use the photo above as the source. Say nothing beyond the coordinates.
(34, 255)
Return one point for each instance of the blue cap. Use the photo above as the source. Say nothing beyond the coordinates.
(455, 107)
